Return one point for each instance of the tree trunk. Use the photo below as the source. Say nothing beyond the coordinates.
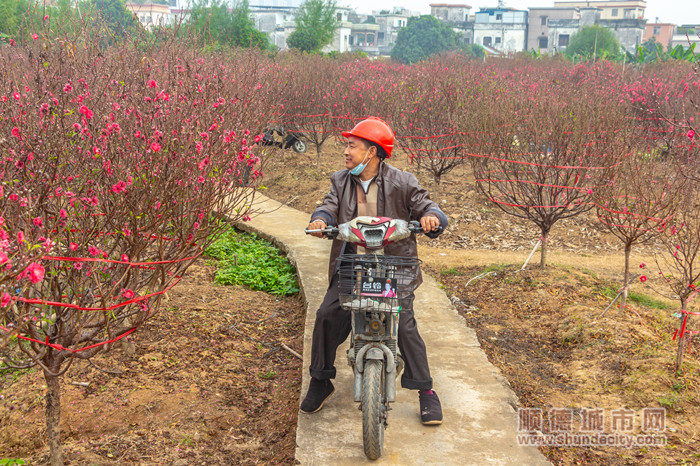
(319, 150)
(53, 418)
(543, 251)
(628, 250)
(683, 341)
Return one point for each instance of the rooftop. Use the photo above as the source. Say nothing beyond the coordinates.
(450, 5)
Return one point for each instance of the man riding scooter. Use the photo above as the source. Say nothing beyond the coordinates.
(368, 186)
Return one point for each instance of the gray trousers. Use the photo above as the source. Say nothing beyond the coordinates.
(333, 325)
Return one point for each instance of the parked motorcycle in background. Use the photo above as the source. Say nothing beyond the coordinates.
(279, 136)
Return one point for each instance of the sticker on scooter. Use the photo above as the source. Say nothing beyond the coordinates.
(385, 288)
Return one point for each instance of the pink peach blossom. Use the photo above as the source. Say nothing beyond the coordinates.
(35, 272)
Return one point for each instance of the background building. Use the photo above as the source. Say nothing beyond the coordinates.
(662, 32)
(151, 14)
(502, 29)
(389, 26)
(685, 35)
(610, 9)
(450, 13)
(549, 29)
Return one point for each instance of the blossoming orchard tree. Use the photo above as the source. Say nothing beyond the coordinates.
(309, 96)
(427, 118)
(640, 201)
(117, 165)
(544, 146)
(668, 105)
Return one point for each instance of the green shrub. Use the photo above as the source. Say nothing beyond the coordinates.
(244, 259)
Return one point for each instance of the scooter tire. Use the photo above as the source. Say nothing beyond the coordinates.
(299, 146)
(373, 408)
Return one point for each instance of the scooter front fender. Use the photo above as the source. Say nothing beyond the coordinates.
(377, 352)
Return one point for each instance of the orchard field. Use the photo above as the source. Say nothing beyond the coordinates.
(122, 159)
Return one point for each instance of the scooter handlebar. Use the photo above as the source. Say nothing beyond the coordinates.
(328, 232)
(415, 227)
(332, 232)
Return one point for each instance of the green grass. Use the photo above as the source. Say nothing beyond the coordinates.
(669, 401)
(648, 301)
(497, 268)
(637, 298)
(607, 291)
(244, 259)
(452, 272)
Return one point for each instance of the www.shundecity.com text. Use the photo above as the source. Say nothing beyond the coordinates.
(592, 439)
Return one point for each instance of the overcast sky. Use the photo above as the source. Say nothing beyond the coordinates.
(668, 11)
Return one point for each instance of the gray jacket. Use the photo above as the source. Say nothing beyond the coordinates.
(399, 195)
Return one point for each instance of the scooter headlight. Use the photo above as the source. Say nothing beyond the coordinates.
(374, 234)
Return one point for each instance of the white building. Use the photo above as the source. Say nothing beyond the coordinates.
(450, 13)
(341, 39)
(502, 29)
(609, 9)
(389, 26)
(278, 23)
(685, 35)
(151, 14)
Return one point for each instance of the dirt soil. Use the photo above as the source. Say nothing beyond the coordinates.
(544, 331)
(205, 382)
(208, 382)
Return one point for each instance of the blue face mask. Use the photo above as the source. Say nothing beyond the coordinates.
(361, 166)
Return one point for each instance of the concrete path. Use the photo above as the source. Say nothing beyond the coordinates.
(480, 419)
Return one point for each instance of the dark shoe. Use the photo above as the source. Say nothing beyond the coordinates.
(318, 393)
(430, 409)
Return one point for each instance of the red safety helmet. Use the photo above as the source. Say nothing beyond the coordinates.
(375, 130)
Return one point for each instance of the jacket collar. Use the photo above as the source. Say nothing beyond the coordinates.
(378, 178)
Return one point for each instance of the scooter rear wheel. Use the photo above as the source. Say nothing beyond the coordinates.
(373, 408)
(299, 146)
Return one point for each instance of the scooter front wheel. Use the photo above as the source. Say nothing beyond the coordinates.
(373, 408)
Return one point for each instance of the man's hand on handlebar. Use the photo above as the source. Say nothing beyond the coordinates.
(430, 223)
(317, 225)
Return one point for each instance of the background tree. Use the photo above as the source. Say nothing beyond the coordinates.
(667, 105)
(114, 13)
(652, 47)
(679, 264)
(12, 13)
(427, 126)
(315, 26)
(309, 93)
(232, 28)
(594, 41)
(474, 51)
(422, 37)
(640, 201)
(243, 30)
(544, 148)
